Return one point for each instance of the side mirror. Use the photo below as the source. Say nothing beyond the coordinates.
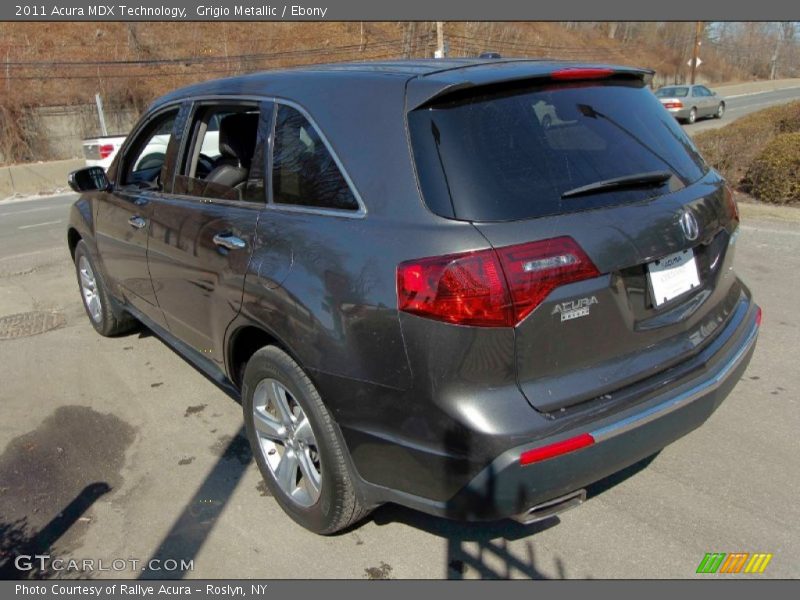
(89, 179)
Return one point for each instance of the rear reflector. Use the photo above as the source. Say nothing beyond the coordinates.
(490, 288)
(557, 449)
(578, 73)
(106, 150)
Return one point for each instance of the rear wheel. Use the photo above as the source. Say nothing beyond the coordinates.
(297, 447)
(105, 316)
(692, 116)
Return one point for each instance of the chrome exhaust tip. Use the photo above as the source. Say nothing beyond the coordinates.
(545, 510)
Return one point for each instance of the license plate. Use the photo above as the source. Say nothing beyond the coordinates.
(672, 275)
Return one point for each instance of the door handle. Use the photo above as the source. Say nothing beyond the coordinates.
(137, 222)
(229, 241)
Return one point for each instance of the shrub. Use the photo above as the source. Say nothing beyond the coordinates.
(732, 149)
(774, 175)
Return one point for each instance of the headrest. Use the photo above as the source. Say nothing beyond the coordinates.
(237, 136)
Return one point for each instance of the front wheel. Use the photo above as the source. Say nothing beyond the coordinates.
(296, 445)
(107, 319)
(720, 110)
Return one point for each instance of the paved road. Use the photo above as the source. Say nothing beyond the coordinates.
(33, 225)
(743, 105)
(120, 449)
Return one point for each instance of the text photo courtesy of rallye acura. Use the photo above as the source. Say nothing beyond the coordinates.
(471, 287)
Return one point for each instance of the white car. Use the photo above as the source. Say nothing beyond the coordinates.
(100, 151)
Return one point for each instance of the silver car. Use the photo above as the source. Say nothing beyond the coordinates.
(691, 102)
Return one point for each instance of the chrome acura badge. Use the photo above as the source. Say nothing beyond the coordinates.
(689, 225)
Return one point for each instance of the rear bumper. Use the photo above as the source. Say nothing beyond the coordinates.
(680, 113)
(505, 488)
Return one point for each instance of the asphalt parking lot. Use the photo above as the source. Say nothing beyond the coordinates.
(118, 449)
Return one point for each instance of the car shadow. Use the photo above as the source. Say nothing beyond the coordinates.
(16, 539)
(480, 550)
(474, 549)
(191, 529)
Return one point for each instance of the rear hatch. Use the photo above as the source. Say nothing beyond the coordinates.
(610, 228)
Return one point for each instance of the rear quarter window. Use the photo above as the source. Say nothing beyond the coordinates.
(511, 154)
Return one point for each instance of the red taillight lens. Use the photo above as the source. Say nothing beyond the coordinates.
(557, 449)
(733, 208)
(467, 289)
(106, 150)
(490, 288)
(675, 104)
(758, 317)
(535, 269)
(578, 73)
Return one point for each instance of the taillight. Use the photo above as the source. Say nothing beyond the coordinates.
(730, 201)
(490, 288)
(673, 104)
(106, 150)
(758, 317)
(535, 269)
(580, 73)
(467, 289)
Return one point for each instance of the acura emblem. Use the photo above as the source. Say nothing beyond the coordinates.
(689, 225)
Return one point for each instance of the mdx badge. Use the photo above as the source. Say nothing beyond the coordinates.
(573, 309)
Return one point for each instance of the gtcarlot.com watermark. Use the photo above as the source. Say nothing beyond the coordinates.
(45, 563)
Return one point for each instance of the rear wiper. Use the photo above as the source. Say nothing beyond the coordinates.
(650, 178)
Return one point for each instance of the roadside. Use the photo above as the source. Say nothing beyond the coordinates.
(735, 90)
(751, 209)
(36, 178)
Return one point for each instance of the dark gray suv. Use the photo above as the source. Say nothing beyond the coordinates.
(472, 287)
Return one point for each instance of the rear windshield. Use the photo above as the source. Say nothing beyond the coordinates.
(511, 154)
(672, 92)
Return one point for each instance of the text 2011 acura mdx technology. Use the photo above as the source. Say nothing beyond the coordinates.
(472, 287)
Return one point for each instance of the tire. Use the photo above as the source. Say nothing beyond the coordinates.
(106, 317)
(547, 122)
(692, 116)
(309, 445)
(720, 111)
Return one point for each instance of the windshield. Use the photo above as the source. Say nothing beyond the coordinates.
(672, 92)
(512, 154)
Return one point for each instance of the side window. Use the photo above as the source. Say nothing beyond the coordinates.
(146, 156)
(705, 91)
(696, 92)
(303, 171)
(219, 154)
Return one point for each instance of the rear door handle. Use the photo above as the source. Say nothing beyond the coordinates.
(229, 241)
(137, 222)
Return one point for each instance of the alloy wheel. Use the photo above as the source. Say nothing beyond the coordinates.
(287, 442)
(91, 295)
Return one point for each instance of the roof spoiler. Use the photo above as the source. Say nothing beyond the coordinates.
(425, 89)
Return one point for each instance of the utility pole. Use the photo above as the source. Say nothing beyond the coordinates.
(439, 40)
(773, 70)
(101, 114)
(698, 30)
